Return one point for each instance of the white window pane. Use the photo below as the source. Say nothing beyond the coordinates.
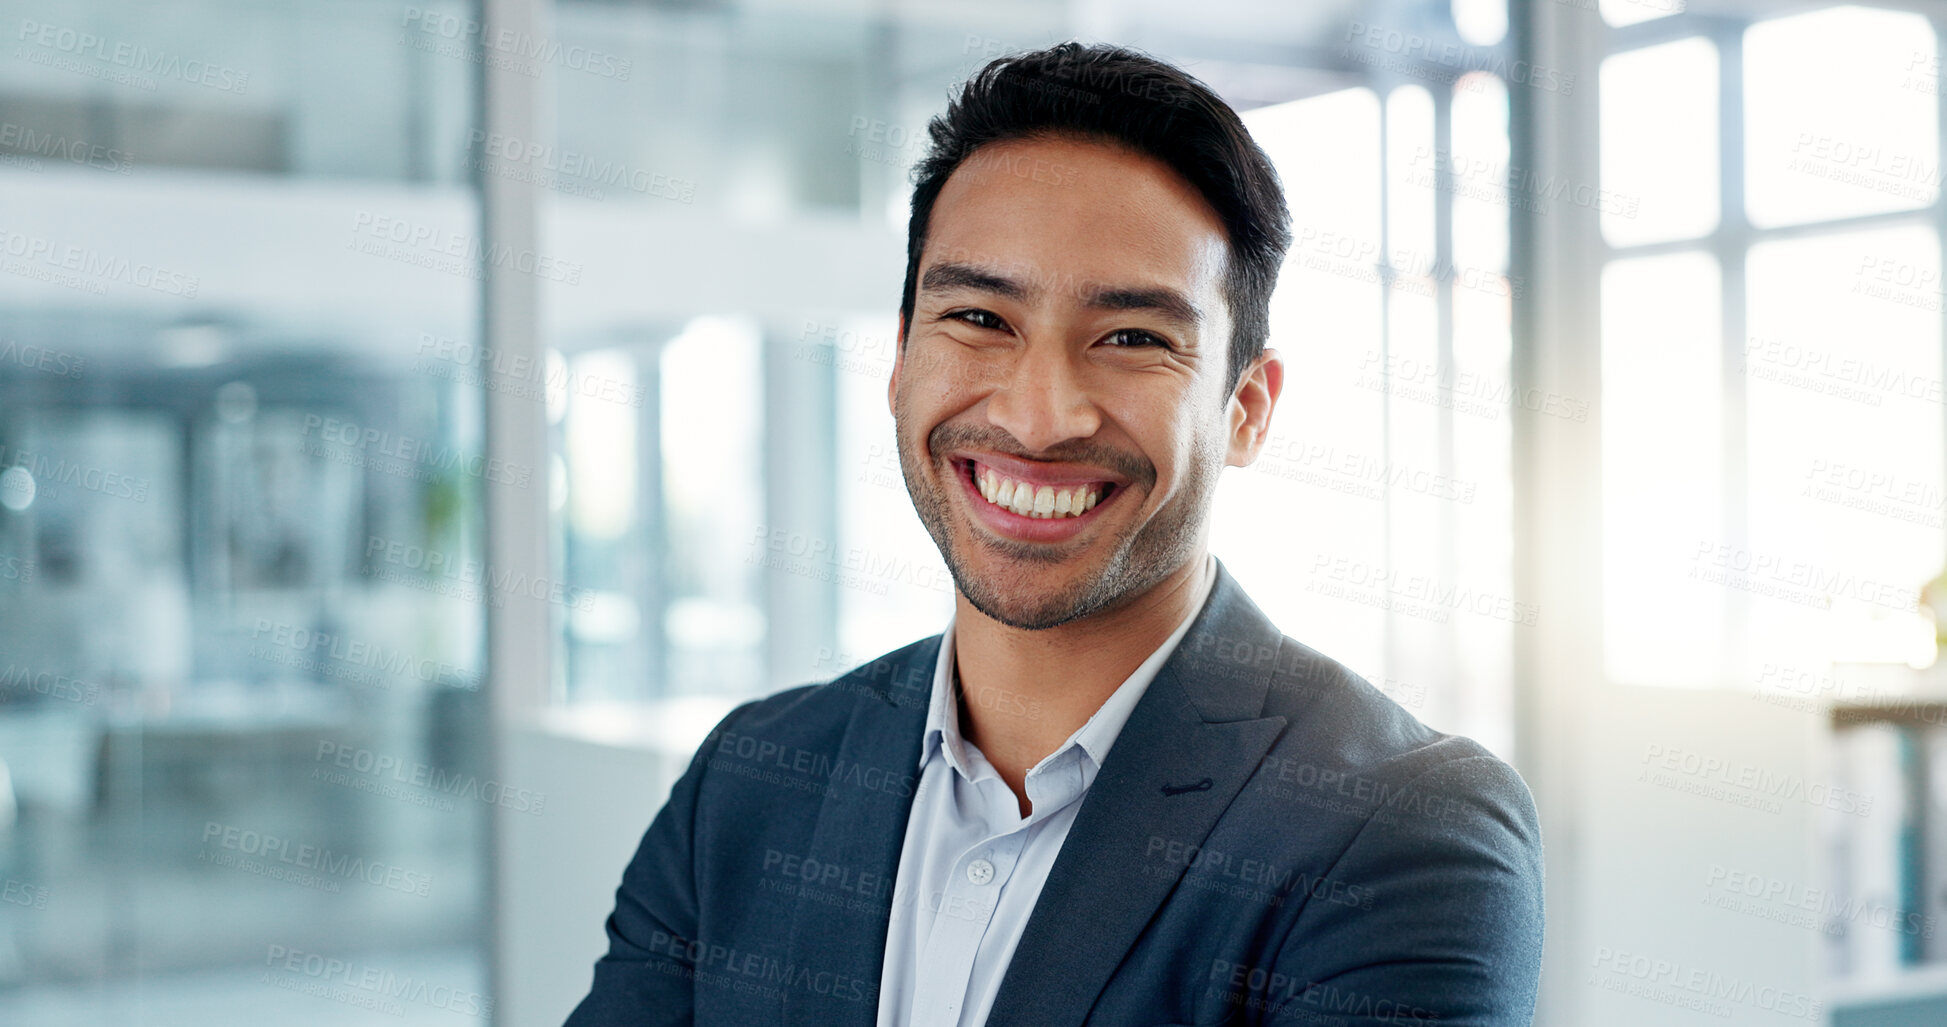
(1481, 495)
(1360, 444)
(1478, 488)
(1661, 468)
(1843, 403)
(1659, 143)
(600, 440)
(1629, 12)
(1274, 523)
(1481, 22)
(714, 506)
(1420, 640)
(1409, 180)
(1481, 201)
(1413, 436)
(1839, 110)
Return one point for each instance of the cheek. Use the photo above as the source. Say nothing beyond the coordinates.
(942, 368)
(934, 388)
(1197, 456)
(1172, 429)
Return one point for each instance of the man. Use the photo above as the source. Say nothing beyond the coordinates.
(1111, 792)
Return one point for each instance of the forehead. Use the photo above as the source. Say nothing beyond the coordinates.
(1073, 213)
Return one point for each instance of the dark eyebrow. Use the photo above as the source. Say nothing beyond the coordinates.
(1166, 302)
(967, 276)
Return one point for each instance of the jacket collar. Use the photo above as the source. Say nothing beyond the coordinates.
(1199, 720)
(1095, 737)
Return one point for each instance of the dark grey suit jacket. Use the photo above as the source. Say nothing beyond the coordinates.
(1271, 840)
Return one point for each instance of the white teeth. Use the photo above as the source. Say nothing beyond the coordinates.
(1039, 502)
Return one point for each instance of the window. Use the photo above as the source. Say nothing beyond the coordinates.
(1772, 454)
(1386, 481)
(1769, 371)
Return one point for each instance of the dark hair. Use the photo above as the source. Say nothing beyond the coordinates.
(1117, 95)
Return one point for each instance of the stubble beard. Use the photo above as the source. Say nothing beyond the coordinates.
(1016, 597)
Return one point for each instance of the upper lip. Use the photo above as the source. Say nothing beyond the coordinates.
(1038, 473)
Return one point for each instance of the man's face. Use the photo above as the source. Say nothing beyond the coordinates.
(1059, 397)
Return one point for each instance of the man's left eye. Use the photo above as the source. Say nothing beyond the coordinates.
(1133, 337)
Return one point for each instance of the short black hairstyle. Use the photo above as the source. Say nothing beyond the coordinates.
(1119, 96)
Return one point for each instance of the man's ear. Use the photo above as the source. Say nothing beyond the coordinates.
(1251, 405)
(898, 361)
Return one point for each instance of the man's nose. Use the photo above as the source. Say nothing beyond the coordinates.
(1045, 401)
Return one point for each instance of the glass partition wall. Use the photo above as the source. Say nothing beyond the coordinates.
(242, 777)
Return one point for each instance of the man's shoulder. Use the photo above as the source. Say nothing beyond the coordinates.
(1346, 735)
(1237, 663)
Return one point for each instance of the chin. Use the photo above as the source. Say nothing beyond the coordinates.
(1027, 612)
(1038, 589)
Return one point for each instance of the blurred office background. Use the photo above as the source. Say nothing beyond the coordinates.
(420, 422)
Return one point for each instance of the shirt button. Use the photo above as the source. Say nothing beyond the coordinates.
(980, 871)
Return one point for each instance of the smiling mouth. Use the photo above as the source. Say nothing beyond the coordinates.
(1031, 499)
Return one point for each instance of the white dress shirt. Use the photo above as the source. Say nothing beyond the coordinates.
(971, 868)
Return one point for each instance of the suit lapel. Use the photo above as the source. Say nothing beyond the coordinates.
(1198, 721)
(860, 830)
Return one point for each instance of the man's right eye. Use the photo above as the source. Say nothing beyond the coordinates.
(978, 318)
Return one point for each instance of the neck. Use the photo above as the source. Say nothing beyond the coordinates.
(1024, 692)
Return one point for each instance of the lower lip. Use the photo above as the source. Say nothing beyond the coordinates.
(1029, 529)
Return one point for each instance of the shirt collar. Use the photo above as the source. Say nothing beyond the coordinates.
(1094, 737)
